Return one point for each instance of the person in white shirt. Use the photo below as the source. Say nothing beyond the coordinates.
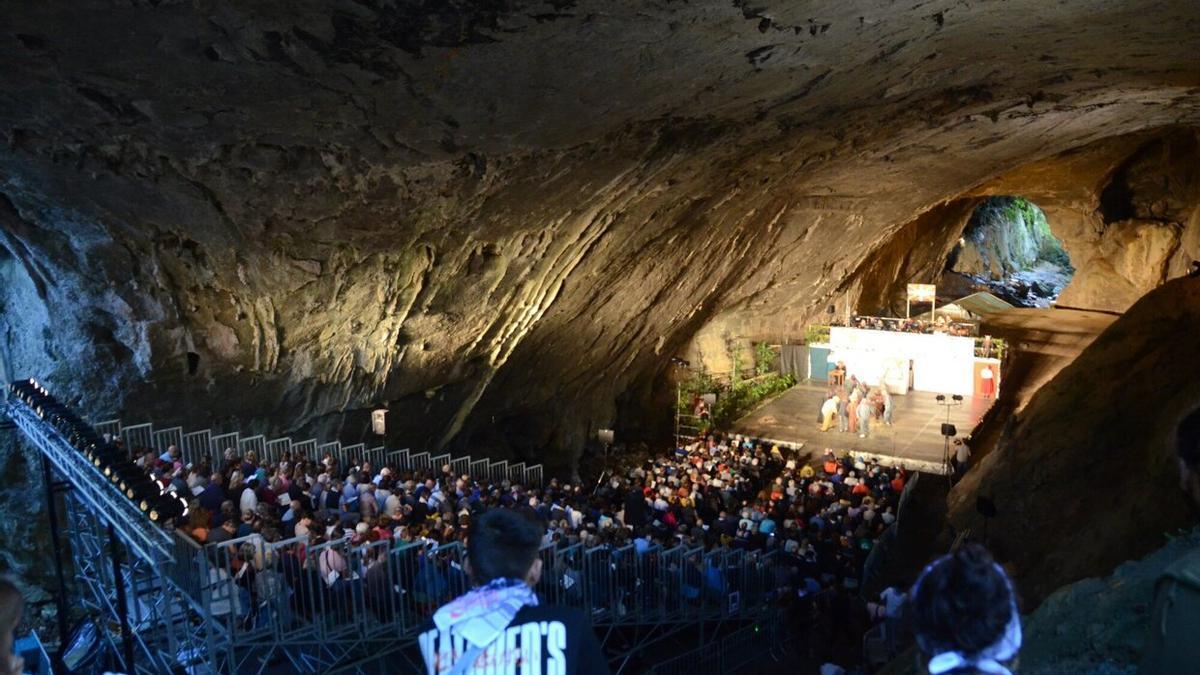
(962, 457)
(391, 505)
(249, 500)
(829, 412)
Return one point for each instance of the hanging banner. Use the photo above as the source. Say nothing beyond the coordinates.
(922, 292)
(379, 421)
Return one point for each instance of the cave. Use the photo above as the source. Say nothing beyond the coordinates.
(502, 227)
(1010, 249)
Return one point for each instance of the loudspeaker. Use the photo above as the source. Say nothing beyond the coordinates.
(948, 430)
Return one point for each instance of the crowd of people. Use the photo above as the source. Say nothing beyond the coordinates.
(852, 406)
(940, 326)
(718, 493)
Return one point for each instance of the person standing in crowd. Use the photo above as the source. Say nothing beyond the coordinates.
(500, 622)
(1171, 646)
(964, 615)
(12, 606)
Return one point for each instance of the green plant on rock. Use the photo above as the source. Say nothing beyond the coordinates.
(736, 357)
(816, 335)
(765, 359)
(701, 382)
(742, 397)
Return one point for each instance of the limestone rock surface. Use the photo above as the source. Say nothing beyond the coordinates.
(502, 218)
(1085, 476)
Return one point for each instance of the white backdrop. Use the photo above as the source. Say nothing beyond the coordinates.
(940, 363)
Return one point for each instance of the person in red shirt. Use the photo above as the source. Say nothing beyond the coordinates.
(830, 463)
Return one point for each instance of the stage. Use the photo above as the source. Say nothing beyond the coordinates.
(913, 439)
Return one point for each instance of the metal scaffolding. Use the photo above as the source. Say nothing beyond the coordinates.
(165, 603)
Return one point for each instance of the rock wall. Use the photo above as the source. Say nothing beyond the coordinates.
(1084, 476)
(1145, 229)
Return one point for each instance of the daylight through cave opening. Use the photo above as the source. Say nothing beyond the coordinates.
(1009, 248)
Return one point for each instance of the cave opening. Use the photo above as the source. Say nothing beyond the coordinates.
(1008, 248)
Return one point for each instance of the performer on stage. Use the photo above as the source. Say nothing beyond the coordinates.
(987, 386)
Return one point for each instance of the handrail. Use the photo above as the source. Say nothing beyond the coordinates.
(100, 494)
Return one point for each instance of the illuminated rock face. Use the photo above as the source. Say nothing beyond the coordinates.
(503, 218)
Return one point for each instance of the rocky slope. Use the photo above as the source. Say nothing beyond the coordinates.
(1084, 476)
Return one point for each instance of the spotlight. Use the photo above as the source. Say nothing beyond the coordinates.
(103, 455)
(1195, 271)
(49, 408)
(941, 398)
(957, 397)
(114, 470)
(168, 507)
(141, 489)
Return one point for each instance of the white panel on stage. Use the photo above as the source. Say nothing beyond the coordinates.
(940, 363)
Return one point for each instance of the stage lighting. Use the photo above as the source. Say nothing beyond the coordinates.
(80, 439)
(114, 470)
(141, 489)
(957, 397)
(941, 398)
(168, 507)
(48, 408)
(103, 455)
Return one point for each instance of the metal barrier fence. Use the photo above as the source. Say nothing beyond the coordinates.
(735, 650)
(290, 591)
(202, 446)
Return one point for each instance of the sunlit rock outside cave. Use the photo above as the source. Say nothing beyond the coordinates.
(1009, 249)
(740, 337)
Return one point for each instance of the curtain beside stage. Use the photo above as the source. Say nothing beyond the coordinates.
(793, 360)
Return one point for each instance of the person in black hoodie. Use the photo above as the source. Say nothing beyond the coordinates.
(500, 622)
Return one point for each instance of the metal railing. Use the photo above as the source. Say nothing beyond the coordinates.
(736, 650)
(291, 591)
(203, 446)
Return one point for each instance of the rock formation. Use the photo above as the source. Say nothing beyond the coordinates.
(1085, 476)
(501, 219)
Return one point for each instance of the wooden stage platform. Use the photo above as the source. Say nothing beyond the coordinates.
(914, 437)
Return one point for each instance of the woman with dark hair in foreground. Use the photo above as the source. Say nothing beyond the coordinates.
(965, 617)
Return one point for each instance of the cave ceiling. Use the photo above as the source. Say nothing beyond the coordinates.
(506, 216)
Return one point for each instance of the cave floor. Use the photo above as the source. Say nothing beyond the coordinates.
(913, 439)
